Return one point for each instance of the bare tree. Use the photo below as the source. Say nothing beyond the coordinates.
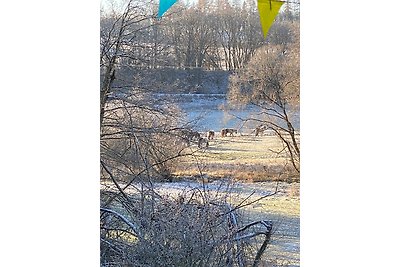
(117, 34)
(192, 36)
(140, 145)
(213, 35)
(271, 81)
(238, 35)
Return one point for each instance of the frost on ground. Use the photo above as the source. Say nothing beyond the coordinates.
(282, 208)
(242, 157)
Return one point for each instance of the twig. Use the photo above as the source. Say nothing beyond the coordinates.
(251, 202)
(126, 221)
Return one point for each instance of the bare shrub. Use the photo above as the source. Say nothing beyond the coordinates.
(193, 228)
(136, 138)
(139, 146)
(271, 82)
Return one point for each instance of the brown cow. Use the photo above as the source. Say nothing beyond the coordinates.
(223, 132)
(210, 135)
(230, 131)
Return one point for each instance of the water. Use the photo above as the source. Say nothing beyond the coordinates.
(210, 112)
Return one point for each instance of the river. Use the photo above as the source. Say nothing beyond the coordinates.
(212, 112)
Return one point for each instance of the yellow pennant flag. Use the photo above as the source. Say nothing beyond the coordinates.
(268, 10)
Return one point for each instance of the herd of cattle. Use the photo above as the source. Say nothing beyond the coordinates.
(191, 136)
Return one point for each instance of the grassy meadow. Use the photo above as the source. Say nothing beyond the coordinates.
(255, 165)
(241, 157)
(259, 159)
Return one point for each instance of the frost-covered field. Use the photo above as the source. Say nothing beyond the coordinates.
(212, 112)
(243, 157)
(282, 208)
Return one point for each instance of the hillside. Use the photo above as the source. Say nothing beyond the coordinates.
(168, 80)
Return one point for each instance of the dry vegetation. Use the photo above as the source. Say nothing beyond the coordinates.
(243, 158)
(181, 220)
(145, 143)
(283, 210)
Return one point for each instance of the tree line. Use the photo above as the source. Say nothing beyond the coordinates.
(141, 138)
(209, 34)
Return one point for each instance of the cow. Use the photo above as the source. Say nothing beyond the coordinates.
(228, 131)
(202, 143)
(187, 135)
(190, 135)
(223, 132)
(260, 129)
(210, 135)
(194, 136)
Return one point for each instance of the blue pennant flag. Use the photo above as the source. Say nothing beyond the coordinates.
(164, 6)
